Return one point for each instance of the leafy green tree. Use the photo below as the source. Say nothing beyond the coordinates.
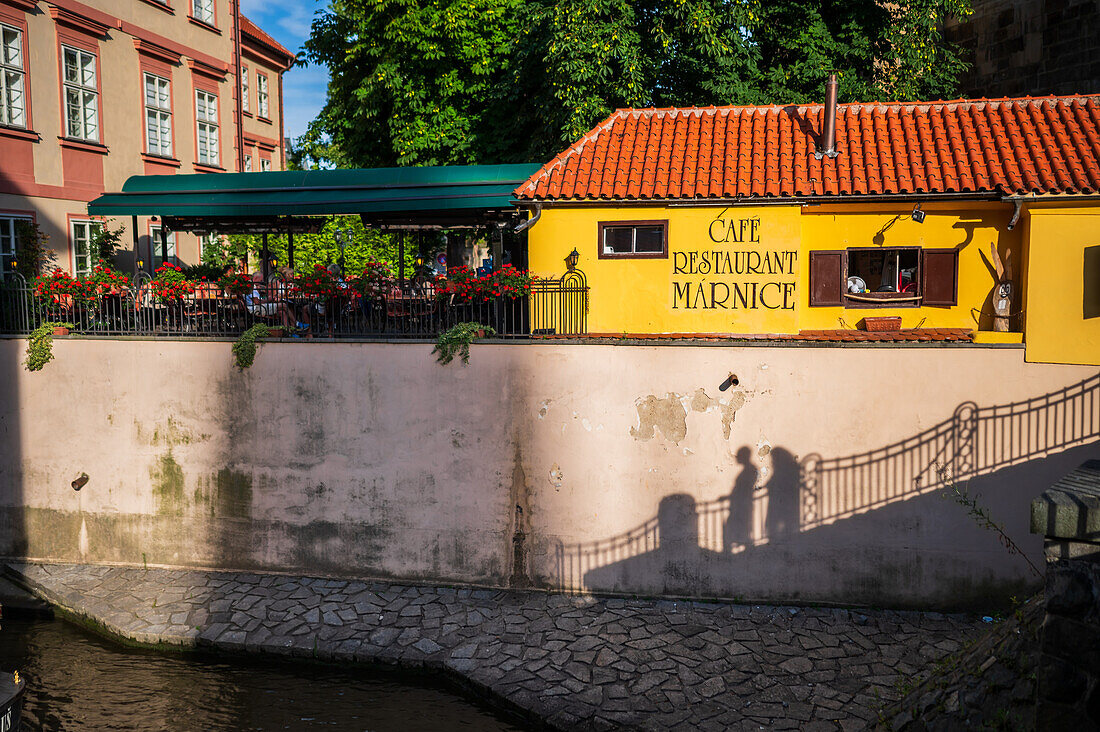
(410, 79)
(360, 245)
(428, 82)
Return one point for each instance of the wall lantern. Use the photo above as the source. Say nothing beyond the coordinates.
(918, 215)
(572, 259)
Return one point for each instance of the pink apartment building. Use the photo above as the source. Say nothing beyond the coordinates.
(94, 92)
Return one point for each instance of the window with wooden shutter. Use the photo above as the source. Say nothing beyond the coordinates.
(940, 272)
(826, 278)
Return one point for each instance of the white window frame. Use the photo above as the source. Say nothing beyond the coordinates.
(84, 91)
(206, 128)
(203, 10)
(88, 226)
(13, 84)
(265, 165)
(154, 246)
(158, 115)
(245, 93)
(206, 241)
(8, 239)
(262, 105)
(247, 163)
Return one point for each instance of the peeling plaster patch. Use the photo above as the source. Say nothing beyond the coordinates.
(556, 476)
(544, 407)
(688, 451)
(575, 415)
(666, 414)
(586, 424)
(728, 407)
(763, 449)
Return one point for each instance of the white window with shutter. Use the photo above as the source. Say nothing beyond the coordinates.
(206, 117)
(155, 243)
(13, 104)
(265, 165)
(81, 94)
(245, 94)
(203, 10)
(84, 254)
(158, 116)
(261, 95)
(248, 163)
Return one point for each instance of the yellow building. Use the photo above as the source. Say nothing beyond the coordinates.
(972, 220)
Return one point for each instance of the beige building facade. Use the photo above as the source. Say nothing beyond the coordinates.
(94, 92)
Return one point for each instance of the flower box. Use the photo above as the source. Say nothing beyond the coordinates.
(61, 331)
(274, 332)
(881, 324)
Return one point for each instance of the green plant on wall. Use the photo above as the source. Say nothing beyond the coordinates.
(244, 350)
(40, 345)
(457, 339)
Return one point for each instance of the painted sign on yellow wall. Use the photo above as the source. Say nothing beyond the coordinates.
(734, 270)
(746, 269)
(709, 270)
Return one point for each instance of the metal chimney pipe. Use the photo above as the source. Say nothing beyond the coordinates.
(828, 133)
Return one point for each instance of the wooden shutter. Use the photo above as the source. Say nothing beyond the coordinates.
(826, 278)
(940, 277)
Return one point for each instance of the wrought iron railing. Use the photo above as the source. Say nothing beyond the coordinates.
(554, 307)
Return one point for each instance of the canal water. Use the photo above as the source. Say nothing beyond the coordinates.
(79, 681)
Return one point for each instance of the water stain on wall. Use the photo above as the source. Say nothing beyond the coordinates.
(168, 483)
(233, 494)
(169, 434)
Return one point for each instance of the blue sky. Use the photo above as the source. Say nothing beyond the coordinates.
(288, 21)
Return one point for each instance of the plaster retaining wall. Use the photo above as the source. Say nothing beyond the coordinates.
(819, 476)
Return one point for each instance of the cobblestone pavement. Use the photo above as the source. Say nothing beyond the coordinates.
(570, 661)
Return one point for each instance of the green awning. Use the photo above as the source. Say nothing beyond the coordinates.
(437, 193)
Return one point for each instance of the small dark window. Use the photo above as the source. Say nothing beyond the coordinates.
(883, 272)
(637, 239)
(867, 278)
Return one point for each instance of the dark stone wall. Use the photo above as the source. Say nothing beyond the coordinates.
(1069, 662)
(1030, 47)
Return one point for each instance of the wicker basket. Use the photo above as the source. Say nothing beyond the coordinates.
(881, 325)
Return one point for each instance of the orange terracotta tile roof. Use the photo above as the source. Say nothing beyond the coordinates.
(1000, 147)
(258, 34)
(906, 335)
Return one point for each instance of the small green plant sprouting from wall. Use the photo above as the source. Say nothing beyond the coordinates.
(244, 350)
(960, 495)
(457, 339)
(40, 345)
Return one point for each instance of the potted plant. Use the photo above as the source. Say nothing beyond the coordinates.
(58, 293)
(170, 285)
(457, 339)
(244, 350)
(237, 284)
(40, 344)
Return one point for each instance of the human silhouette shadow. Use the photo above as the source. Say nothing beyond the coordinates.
(738, 528)
(783, 496)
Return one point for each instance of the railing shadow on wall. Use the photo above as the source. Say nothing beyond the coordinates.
(816, 491)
